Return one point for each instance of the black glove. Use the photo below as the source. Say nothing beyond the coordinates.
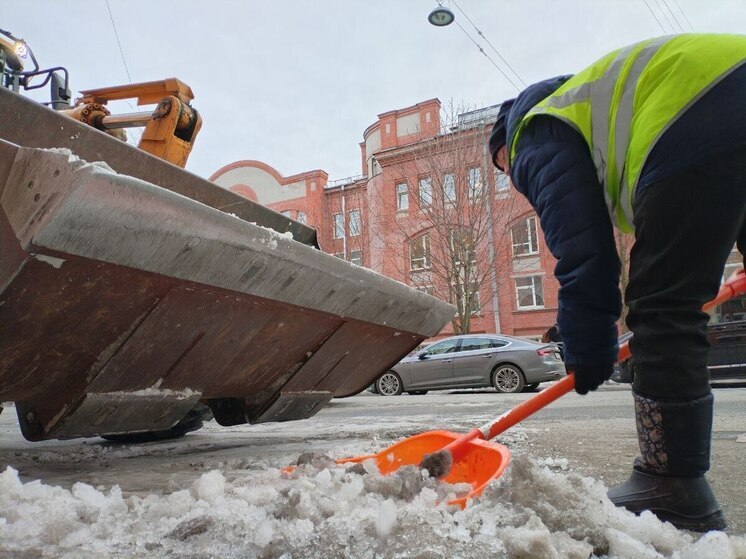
(589, 376)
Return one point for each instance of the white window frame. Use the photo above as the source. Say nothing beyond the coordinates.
(502, 182)
(423, 262)
(402, 196)
(338, 226)
(426, 192)
(474, 178)
(537, 295)
(531, 245)
(302, 218)
(476, 303)
(356, 224)
(449, 188)
(452, 235)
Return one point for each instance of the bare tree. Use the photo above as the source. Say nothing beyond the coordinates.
(450, 227)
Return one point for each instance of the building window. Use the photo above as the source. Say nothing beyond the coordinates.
(302, 218)
(475, 182)
(356, 257)
(287, 213)
(402, 197)
(355, 224)
(449, 188)
(339, 255)
(463, 247)
(426, 191)
(502, 182)
(529, 292)
(419, 253)
(471, 289)
(525, 240)
(339, 226)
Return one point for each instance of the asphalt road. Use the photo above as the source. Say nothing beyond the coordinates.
(595, 434)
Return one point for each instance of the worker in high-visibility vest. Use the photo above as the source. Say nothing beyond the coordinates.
(651, 138)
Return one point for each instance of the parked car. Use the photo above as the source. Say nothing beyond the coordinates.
(727, 353)
(474, 361)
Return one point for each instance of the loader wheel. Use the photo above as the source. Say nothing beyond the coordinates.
(389, 384)
(508, 379)
(192, 421)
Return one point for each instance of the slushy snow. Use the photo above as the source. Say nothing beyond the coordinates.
(325, 510)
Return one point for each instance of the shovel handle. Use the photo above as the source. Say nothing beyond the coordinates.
(735, 285)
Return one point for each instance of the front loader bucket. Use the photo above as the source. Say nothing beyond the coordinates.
(124, 303)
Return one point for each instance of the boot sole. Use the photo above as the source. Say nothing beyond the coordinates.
(714, 521)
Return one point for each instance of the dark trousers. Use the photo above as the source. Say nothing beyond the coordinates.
(685, 228)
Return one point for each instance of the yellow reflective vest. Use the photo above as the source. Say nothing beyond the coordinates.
(624, 102)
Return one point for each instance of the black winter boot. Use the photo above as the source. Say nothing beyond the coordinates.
(668, 477)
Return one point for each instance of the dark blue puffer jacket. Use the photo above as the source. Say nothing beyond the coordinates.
(554, 170)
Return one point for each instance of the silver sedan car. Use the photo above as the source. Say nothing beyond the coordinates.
(474, 361)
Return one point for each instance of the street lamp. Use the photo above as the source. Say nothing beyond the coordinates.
(441, 16)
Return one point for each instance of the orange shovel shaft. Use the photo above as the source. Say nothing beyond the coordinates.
(735, 285)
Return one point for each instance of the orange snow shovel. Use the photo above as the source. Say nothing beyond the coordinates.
(473, 458)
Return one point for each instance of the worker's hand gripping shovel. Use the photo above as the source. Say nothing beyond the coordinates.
(472, 457)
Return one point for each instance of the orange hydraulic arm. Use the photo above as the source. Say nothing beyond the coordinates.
(170, 130)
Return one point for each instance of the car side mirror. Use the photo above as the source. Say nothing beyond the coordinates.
(423, 355)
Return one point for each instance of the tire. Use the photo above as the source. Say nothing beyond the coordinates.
(531, 387)
(417, 392)
(190, 422)
(389, 384)
(508, 379)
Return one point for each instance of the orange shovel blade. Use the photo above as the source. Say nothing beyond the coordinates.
(482, 462)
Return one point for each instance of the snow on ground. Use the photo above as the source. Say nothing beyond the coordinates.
(220, 492)
(328, 510)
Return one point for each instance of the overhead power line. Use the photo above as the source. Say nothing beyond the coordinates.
(664, 16)
(138, 133)
(670, 11)
(116, 34)
(489, 43)
(684, 14)
(487, 56)
(655, 16)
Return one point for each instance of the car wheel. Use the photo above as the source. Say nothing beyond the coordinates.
(531, 387)
(508, 379)
(389, 384)
(417, 392)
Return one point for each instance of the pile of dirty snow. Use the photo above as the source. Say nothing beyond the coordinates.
(327, 510)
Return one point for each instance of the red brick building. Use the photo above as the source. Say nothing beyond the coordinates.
(428, 210)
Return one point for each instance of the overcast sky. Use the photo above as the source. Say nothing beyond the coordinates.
(294, 83)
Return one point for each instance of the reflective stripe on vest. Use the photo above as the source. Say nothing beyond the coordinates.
(600, 103)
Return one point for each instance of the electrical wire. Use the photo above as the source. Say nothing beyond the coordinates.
(489, 43)
(684, 14)
(655, 16)
(487, 56)
(116, 34)
(124, 60)
(664, 15)
(681, 28)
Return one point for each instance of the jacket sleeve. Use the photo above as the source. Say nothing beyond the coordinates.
(554, 170)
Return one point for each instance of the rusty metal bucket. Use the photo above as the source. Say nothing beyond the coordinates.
(125, 301)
